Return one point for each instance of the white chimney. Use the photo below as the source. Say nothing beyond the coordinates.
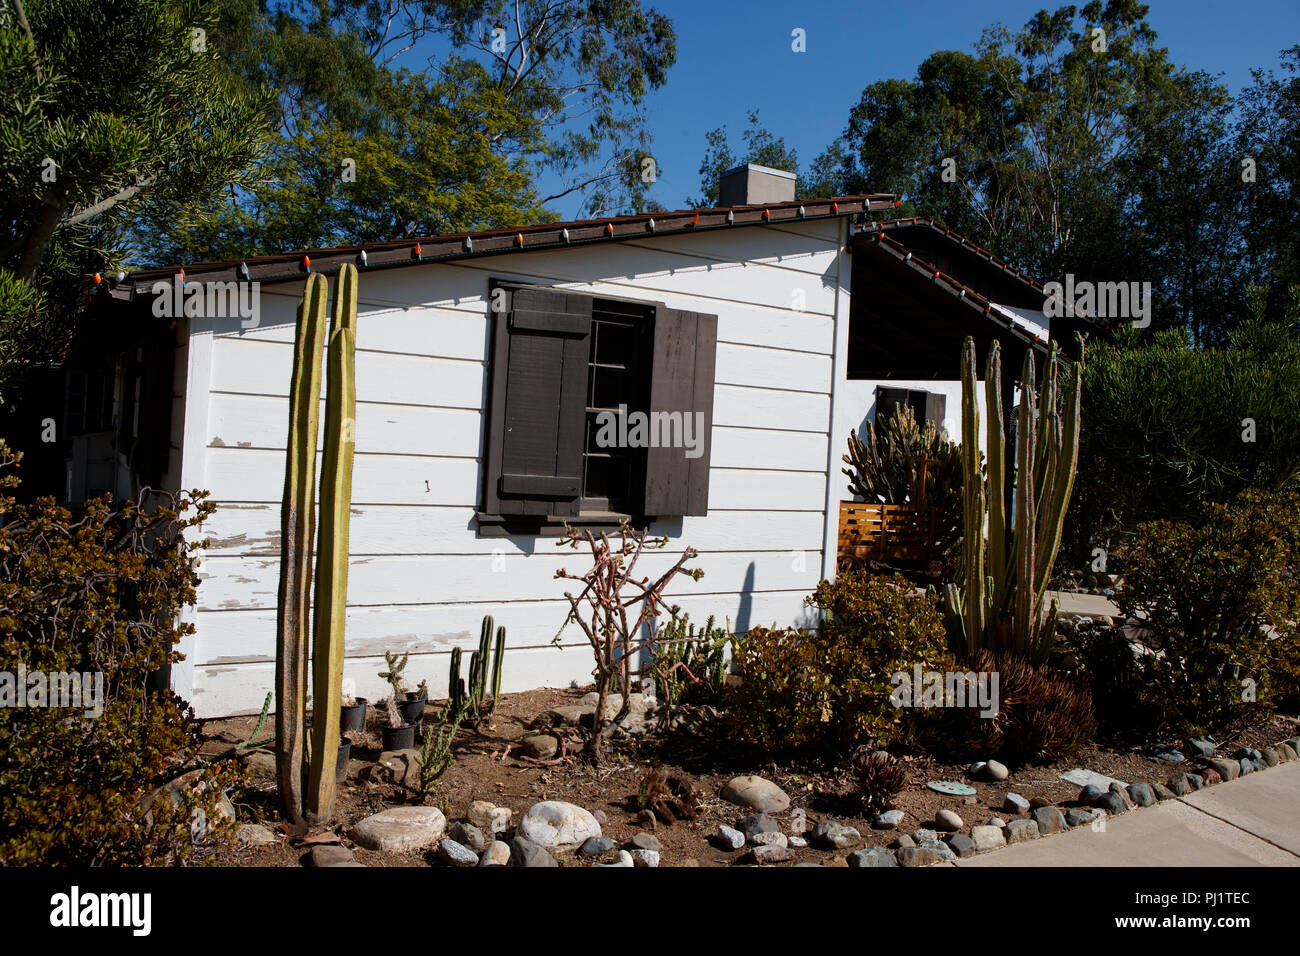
(754, 185)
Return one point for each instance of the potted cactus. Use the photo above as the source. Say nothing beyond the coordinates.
(410, 703)
(399, 733)
(352, 715)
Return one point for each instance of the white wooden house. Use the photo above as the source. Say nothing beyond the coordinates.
(785, 324)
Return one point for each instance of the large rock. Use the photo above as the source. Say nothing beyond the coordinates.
(756, 793)
(1112, 803)
(770, 839)
(755, 823)
(1080, 816)
(1015, 803)
(995, 770)
(596, 846)
(401, 828)
(554, 823)
(261, 766)
(987, 837)
(1202, 746)
(643, 857)
(569, 715)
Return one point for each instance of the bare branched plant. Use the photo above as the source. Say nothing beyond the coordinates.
(612, 608)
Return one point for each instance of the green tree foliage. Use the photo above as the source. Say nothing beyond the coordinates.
(1219, 599)
(1269, 134)
(109, 110)
(373, 146)
(1065, 156)
(1167, 427)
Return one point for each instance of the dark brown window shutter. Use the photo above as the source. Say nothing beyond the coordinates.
(935, 406)
(681, 381)
(888, 399)
(539, 388)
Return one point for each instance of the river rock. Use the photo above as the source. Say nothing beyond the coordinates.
(1180, 785)
(1090, 793)
(1019, 831)
(773, 838)
(876, 856)
(496, 854)
(596, 846)
(923, 835)
(948, 821)
(771, 853)
(987, 837)
(1142, 794)
(1015, 803)
(524, 852)
(540, 746)
(995, 770)
(254, 834)
(469, 836)
(1080, 816)
(917, 856)
(624, 859)
(331, 854)
(888, 820)
(643, 857)
(1112, 803)
(457, 854)
(961, 844)
(1202, 746)
(836, 835)
(554, 823)
(1225, 768)
(645, 841)
(756, 793)
(1050, 820)
(754, 823)
(728, 838)
(398, 829)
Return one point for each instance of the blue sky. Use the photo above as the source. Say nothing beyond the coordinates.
(734, 56)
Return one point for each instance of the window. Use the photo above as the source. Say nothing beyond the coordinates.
(589, 401)
(926, 407)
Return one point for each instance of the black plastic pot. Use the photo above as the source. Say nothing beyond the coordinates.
(399, 738)
(412, 709)
(345, 754)
(354, 717)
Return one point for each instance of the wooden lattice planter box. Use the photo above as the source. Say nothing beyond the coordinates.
(888, 533)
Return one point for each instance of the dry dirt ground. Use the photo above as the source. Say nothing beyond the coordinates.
(486, 768)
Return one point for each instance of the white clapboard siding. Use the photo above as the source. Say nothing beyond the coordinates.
(252, 582)
(254, 529)
(421, 578)
(232, 689)
(236, 637)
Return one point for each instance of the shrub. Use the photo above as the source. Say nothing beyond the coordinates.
(831, 687)
(1220, 600)
(1043, 713)
(100, 593)
(1162, 425)
(690, 663)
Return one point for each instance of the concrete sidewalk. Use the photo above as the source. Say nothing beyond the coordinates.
(1252, 821)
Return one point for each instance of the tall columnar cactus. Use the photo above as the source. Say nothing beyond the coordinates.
(1003, 610)
(297, 531)
(455, 686)
(498, 659)
(297, 541)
